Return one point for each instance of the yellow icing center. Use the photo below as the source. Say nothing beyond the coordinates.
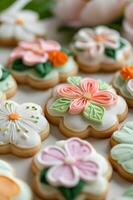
(20, 21)
(8, 188)
(14, 116)
(87, 96)
(37, 49)
(69, 160)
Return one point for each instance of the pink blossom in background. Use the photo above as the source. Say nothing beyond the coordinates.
(128, 22)
(91, 12)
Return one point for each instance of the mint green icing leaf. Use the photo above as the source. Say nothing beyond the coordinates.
(103, 85)
(94, 113)
(125, 134)
(61, 105)
(129, 193)
(67, 52)
(43, 68)
(19, 66)
(123, 155)
(5, 74)
(74, 80)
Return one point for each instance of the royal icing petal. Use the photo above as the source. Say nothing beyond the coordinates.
(130, 86)
(21, 125)
(81, 171)
(10, 186)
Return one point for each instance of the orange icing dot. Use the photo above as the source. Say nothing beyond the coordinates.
(99, 38)
(13, 116)
(8, 188)
(127, 72)
(58, 58)
(20, 21)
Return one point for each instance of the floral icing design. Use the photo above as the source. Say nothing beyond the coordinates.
(40, 56)
(67, 166)
(10, 186)
(21, 125)
(71, 169)
(122, 152)
(124, 81)
(21, 25)
(86, 98)
(101, 44)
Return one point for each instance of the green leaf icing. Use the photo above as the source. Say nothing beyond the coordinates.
(68, 193)
(125, 134)
(74, 80)
(19, 66)
(67, 52)
(129, 193)
(123, 154)
(43, 69)
(103, 85)
(94, 113)
(111, 52)
(5, 74)
(61, 105)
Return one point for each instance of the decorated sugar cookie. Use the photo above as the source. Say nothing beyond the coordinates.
(123, 82)
(121, 155)
(100, 49)
(128, 195)
(42, 63)
(8, 85)
(22, 127)
(71, 170)
(86, 107)
(19, 25)
(11, 188)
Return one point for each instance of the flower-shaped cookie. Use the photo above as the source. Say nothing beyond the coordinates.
(121, 155)
(20, 26)
(8, 85)
(100, 49)
(42, 63)
(21, 128)
(71, 169)
(11, 188)
(84, 107)
(123, 83)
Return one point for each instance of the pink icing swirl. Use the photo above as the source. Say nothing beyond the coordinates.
(70, 164)
(87, 92)
(35, 52)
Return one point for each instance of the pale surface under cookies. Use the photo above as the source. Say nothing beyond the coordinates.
(23, 166)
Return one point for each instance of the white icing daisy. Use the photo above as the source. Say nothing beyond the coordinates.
(21, 125)
(20, 25)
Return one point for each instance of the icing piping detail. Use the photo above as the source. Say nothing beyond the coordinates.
(67, 166)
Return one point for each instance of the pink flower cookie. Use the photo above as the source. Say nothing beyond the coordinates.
(22, 127)
(100, 49)
(41, 63)
(84, 107)
(71, 170)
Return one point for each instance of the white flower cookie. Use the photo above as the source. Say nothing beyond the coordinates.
(123, 83)
(12, 188)
(71, 170)
(86, 107)
(20, 25)
(100, 49)
(121, 155)
(22, 127)
(8, 85)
